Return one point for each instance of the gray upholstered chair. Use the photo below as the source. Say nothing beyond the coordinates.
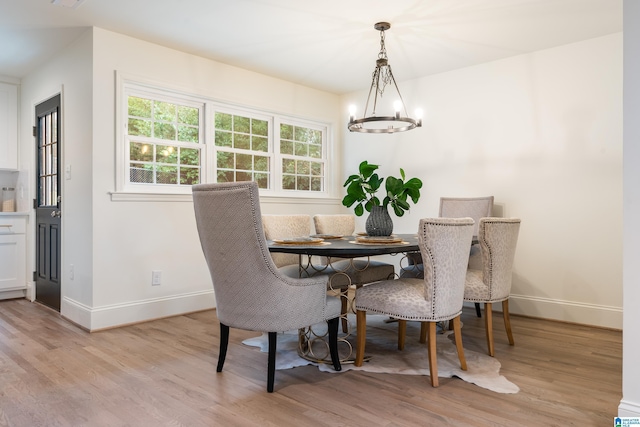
(498, 238)
(359, 271)
(460, 207)
(466, 207)
(472, 207)
(444, 245)
(251, 293)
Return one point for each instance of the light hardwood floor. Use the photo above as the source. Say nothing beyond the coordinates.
(162, 373)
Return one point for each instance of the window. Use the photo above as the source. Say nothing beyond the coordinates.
(242, 149)
(163, 139)
(302, 158)
(173, 140)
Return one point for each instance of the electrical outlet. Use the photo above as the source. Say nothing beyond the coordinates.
(156, 277)
(72, 272)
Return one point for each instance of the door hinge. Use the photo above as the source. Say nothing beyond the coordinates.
(34, 131)
(34, 276)
(35, 204)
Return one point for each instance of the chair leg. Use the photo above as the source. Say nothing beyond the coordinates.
(431, 349)
(361, 331)
(424, 327)
(271, 363)
(224, 344)
(507, 320)
(402, 333)
(478, 311)
(457, 334)
(343, 311)
(333, 343)
(488, 324)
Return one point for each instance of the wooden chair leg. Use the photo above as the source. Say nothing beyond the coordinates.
(402, 333)
(332, 325)
(361, 331)
(224, 344)
(424, 327)
(271, 363)
(507, 320)
(457, 334)
(488, 324)
(433, 361)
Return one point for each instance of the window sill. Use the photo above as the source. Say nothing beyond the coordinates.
(264, 198)
(149, 197)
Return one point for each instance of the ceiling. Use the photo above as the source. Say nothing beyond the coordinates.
(330, 44)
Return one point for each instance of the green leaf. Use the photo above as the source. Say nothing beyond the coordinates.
(351, 179)
(414, 194)
(414, 183)
(366, 169)
(402, 204)
(359, 210)
(393, 185)
(348, 200)
(397, 210)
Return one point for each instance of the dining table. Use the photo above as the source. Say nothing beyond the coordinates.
(326, 254)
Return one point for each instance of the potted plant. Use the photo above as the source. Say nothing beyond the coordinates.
(362, 190)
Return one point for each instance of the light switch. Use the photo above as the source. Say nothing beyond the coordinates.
(67, 172)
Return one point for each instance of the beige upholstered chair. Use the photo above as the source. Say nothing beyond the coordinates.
(359, 271)
(286, 227)
(344, 225)
(444, 245)
(498, 238)
(251, 293)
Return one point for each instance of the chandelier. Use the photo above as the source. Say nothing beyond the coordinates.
(382, 77)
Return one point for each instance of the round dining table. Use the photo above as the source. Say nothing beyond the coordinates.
(326, 255)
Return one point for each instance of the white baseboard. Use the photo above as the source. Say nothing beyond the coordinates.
(628, 409)
(31, 291)
(566, 311)
(19, 293)
(97, 318)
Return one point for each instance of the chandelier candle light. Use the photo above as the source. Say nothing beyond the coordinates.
(382, 76)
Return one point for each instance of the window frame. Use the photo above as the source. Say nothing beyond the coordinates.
(135, 86)
(324, 129)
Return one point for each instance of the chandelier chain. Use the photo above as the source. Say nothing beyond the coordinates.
(383, 49)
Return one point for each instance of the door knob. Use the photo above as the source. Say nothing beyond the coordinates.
(55, 214)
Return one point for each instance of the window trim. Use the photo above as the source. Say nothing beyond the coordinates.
(125, 87)
(125, 191)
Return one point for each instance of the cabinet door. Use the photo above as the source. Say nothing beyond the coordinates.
(8, 126)
(12, 262)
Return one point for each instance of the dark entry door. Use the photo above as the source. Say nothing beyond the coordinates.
(47, 203)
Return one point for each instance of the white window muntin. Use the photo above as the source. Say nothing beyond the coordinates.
(155, 94)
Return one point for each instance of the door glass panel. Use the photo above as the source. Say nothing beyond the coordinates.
(48, 158)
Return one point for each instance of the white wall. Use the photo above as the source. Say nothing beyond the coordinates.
(132, 238)
(630, 403)
(541, 132)
(68, 73)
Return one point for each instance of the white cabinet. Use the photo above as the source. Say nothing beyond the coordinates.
(8, 126)
(13, 254)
